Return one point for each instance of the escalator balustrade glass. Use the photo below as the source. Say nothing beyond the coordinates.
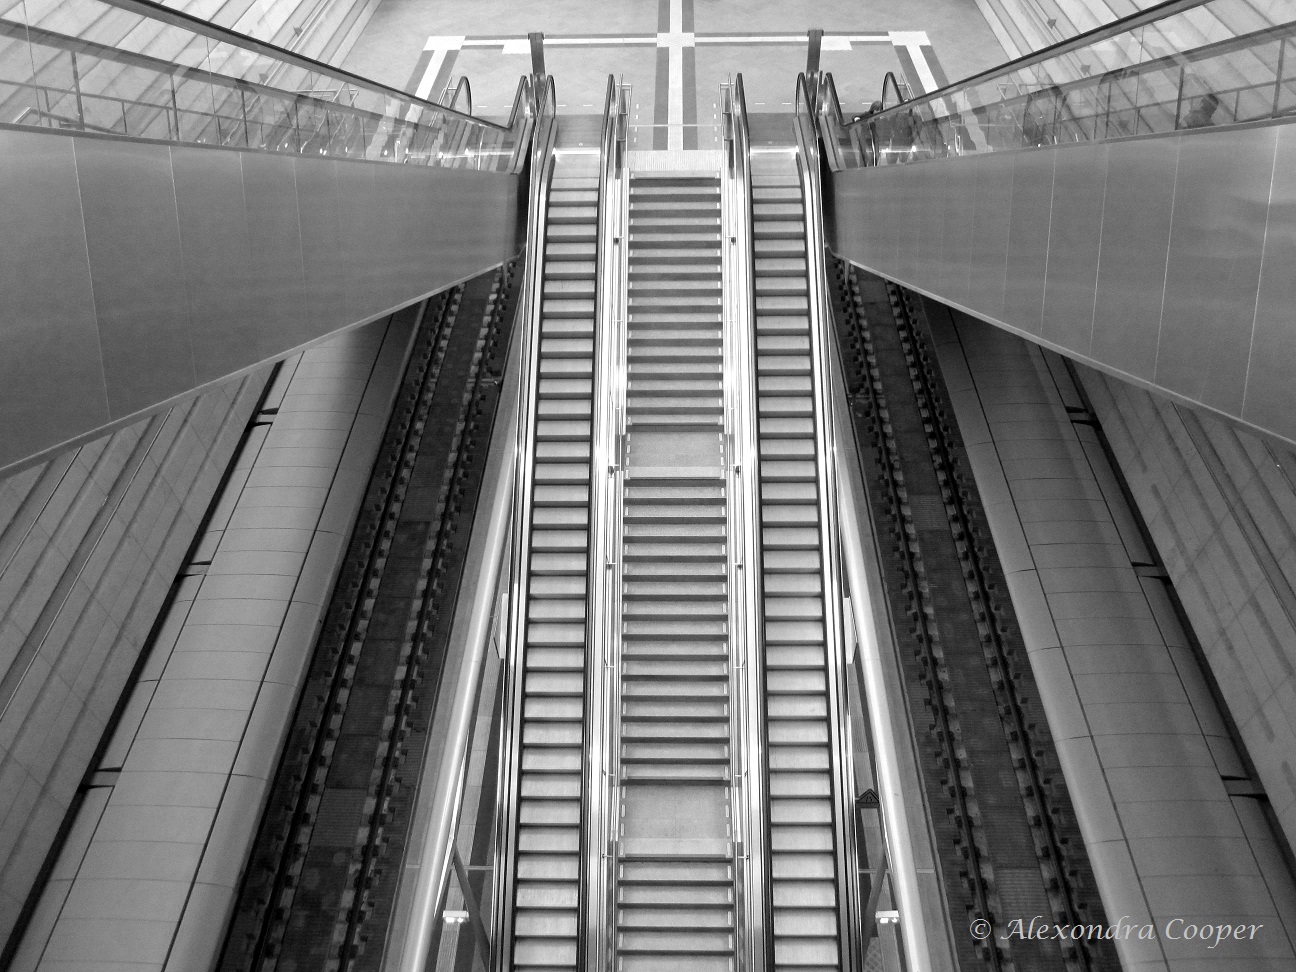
(133, 69)
(1173, 67)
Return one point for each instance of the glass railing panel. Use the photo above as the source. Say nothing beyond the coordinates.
(1187, 68)
(130, 68)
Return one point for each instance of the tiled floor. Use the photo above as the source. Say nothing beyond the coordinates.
(682, 44)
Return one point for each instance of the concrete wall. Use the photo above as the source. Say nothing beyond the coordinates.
(1220, 505)
(1168, 811)
(89, 546)
(148, 877)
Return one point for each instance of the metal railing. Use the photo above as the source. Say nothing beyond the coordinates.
(1149, 73)
(453, 92)
(607, 481)
(509, 771)
(218, 87)
(849, 906)
(755, 925)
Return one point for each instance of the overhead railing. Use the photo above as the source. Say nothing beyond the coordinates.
(1158, 71)
(218, 87)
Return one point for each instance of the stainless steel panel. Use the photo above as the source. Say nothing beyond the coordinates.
(908, 197)
(274, 231)
(1216, 241)
(361, 237)
(323, 261)
(892, 211)
(189, 267)
(1028, 239)
(133, 238)
(861, 229)
(960, 200)
(1072, 203)
(47, 313)
(1271, 378)
(487, 202)
(921, 234)
(1132, 261)
(400, 201)
(990, 224)
(1079, 182)
(216, 250)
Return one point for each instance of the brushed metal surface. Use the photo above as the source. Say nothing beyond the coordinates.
(274, 228)
(133, 237)
(990, 223)
(1075, 228)
(133, 273)
(1193, 295)
(1028, 239)
(932, 228)
(960, 200)
(215, 248)
(362, 240)
(47, 312)
(324, 285)
(1270, 401)
(1132, 259)
(1216, 243)
(913, 237)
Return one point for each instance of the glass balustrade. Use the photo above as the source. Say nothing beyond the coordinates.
(134, 69)
(1172, 67)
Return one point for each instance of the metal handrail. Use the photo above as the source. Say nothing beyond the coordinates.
(299, 118)
(177, 18)
(806, 129)
(1067, 119)
(755, 924)
(450, 96)
(607, 478)
(1098, 34)
(541, 163)
(832, 121)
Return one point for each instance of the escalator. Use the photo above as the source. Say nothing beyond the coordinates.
(550, 688)
(801, 724)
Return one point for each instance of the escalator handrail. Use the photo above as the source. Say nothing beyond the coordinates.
(450, 97)
(834, 127)
(602, 681)
(758, 935)
(890, 79)
(1124, 25)
(520, 117)
(1082, 42)
(849, 905)
(177, 18)
(529, 315)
